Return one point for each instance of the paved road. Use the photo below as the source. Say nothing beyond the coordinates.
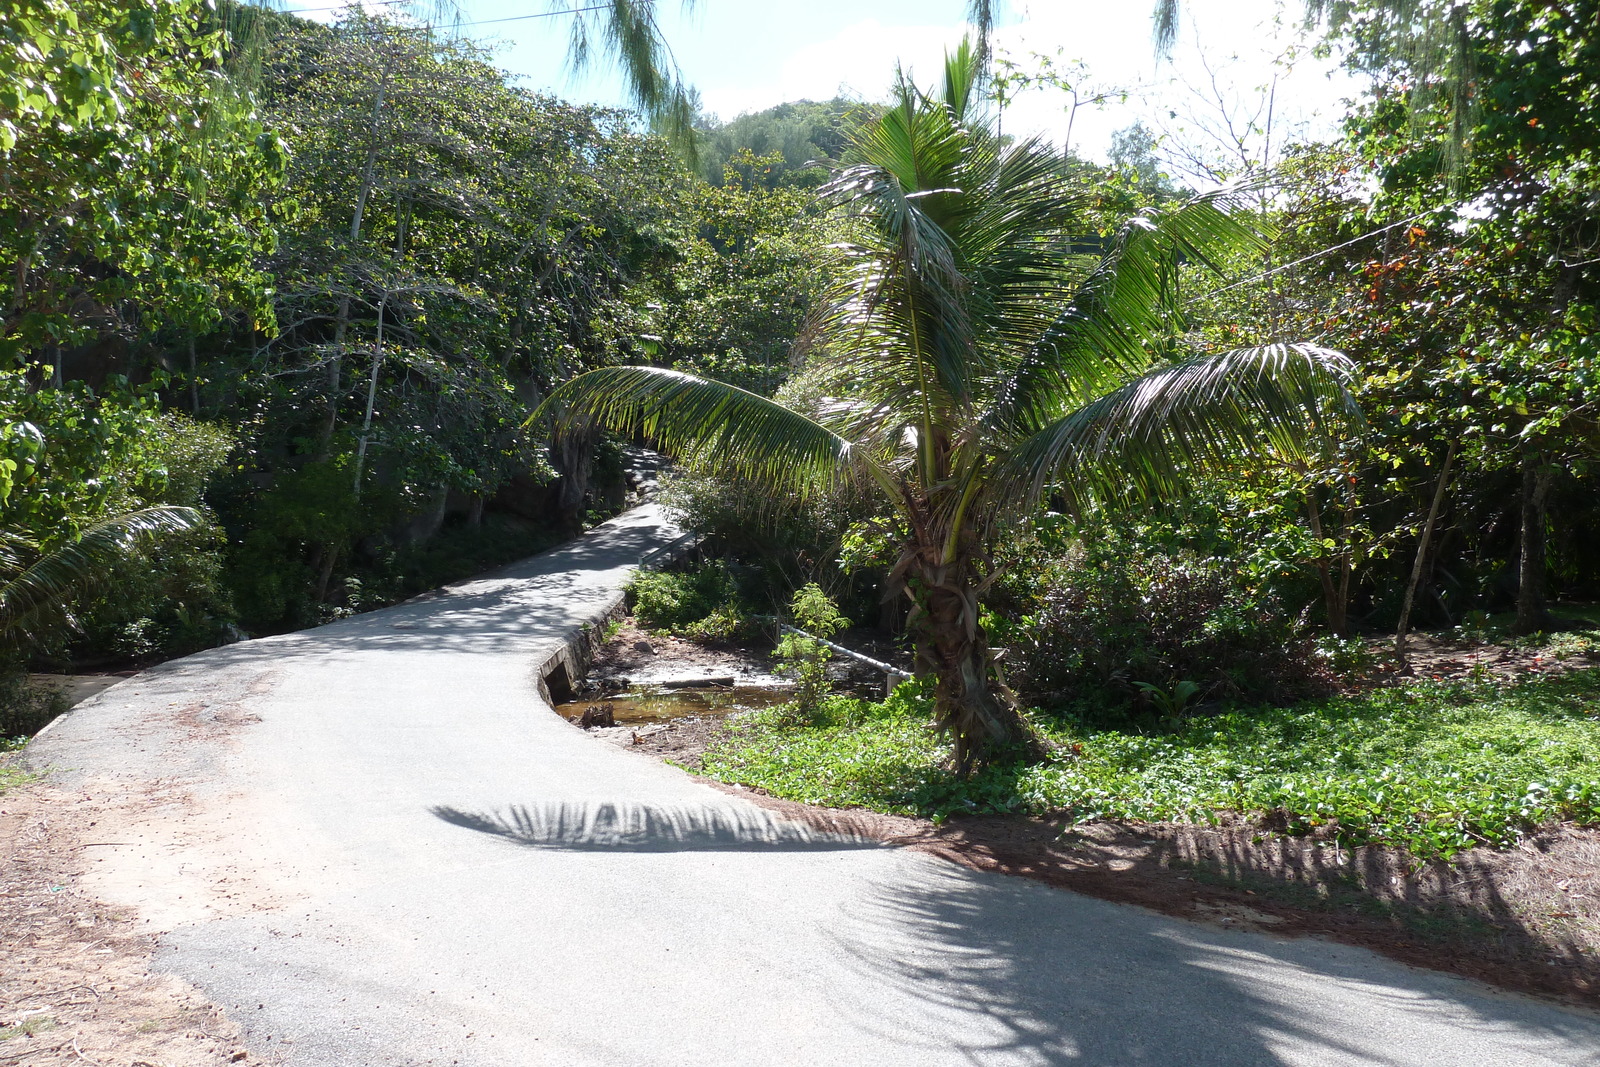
(374, 845)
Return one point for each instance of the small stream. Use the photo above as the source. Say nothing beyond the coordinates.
(646, 704)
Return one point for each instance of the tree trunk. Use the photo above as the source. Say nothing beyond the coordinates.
(1333, 598)
(971, 706)
(573, 455)
(330, 421)
(1422, 554)
(1533, 614)
(330, 556)
(194, 381)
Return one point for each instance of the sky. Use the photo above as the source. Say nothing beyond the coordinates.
(746, 55)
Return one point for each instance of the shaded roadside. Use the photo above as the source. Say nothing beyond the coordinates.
(1527, 919)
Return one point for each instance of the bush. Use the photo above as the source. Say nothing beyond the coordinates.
(701, 604)
(805, 659)
(785, 542)
(25, 709)
(1128, 625)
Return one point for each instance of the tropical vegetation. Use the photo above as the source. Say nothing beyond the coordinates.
(971, 363)
(1434, 768)
(280, 299)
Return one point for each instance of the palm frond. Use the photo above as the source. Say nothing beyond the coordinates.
(1151, 435)
(39, 587)
(958, 260)
(963, 70)
(627, 34)
(1164, 26)
(708, 423)
(1121, 314)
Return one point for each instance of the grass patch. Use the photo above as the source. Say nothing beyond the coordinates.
(29, 1027)
(12, 776)
(1434, 768)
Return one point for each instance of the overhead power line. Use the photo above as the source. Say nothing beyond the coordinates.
(1333, 248)
(454, 25)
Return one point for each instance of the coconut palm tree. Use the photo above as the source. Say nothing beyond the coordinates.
(39, 584)
(976, 362)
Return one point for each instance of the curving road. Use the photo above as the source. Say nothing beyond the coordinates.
(373, 844)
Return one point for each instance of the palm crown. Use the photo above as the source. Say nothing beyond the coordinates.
(975, 362)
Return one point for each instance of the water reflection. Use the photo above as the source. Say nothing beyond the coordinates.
(644, 705)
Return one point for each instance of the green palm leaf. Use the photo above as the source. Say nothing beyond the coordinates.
(708, 423)
(39, 586)
(1121, 314)
(1152, 434)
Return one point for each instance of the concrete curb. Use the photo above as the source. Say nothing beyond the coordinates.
(558, 674)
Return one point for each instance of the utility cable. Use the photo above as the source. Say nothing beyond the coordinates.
(1345, 244)
(455, 25)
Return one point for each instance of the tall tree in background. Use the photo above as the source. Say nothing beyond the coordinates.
(132, 180)
(977, 364)
(454, 247)
(1494, 149)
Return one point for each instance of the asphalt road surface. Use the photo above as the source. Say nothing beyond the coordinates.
(373, 844)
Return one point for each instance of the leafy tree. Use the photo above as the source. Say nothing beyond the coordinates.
(452, 247)
(1468, 289)
(131, 177)
(787, 145)
(734, 295)
(1133, 149)
(975, 364)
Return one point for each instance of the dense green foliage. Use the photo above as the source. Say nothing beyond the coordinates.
(1433, 768)
(674, 601)
(291, 292)
(1114, 619)
(1449, 247)
(788, 145)
(354, 271)
(983, 360)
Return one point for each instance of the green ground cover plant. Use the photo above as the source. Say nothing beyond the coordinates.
(1434, 768)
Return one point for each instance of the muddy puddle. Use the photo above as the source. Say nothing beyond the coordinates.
(643, 705)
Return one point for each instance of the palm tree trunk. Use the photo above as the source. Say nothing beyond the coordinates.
(971, 705)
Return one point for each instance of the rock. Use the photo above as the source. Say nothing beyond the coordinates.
(723, 681)
(597, 715)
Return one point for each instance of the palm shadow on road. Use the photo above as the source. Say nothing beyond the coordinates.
(1033, 975)
(612, 827)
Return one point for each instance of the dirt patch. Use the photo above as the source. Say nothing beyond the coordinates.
(77, 985)
(1451, 658)
(681, 741)
(631, 656)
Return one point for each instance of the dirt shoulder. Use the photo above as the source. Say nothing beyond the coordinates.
(77, 980)
(1526, 919)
